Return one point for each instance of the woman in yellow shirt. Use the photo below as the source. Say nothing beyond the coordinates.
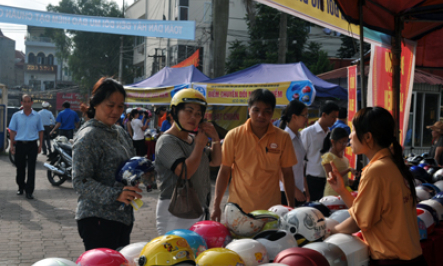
(333, 151)
(385, 208)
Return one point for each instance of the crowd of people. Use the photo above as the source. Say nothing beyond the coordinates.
(261, 165)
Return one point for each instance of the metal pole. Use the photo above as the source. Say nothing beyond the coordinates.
(120, 63)
(362, 63)
(396, 68)
(168, 42)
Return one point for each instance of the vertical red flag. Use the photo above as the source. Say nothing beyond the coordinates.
(380, 82)
(352, 110)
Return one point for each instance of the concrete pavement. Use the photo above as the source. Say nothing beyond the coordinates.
(31, 230)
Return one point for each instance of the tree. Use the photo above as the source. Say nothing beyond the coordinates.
(316, 59)
(93, 55)
(264, 40)
(350, 47)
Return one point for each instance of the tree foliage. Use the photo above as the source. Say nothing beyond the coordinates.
(350, 47)
(262, 46)
(92, 55)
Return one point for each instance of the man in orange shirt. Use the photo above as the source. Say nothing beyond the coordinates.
(254, 154)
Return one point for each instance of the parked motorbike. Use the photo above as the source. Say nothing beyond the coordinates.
(60, 166)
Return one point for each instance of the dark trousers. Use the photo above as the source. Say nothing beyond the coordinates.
(101, 233)
(26, 154)
(316, 186)
(46, 145)
(140, 147)
(284, 201)
(419, 261)
(67, 133)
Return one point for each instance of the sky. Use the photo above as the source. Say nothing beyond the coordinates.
(18, 32)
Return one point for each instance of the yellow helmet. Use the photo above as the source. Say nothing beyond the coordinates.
(219, 256)
(188, 96)
(166, 250)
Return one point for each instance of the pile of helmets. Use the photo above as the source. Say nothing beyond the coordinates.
(278, 236)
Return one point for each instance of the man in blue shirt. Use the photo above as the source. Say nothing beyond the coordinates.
(342, 120)
(26, 128)
(48, 121)
(67, 121)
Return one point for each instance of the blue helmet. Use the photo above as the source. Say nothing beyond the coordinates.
(439, 195)
(319, 206)
(422, 165)
(420, 173)
(431, 188)
(132, 171)
(197, 243)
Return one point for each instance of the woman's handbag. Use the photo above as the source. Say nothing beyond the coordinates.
(184, 202)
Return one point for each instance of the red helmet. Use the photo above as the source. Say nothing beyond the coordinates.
(102, 257)
(214, 233)
(301, 257)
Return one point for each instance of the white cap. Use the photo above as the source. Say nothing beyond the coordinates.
(128, 110)
(45, 104)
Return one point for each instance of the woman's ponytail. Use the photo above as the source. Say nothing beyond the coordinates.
(397, 157)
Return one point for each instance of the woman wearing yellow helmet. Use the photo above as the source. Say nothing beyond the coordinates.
(185, 143)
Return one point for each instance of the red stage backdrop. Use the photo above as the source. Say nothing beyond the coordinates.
(380, 81)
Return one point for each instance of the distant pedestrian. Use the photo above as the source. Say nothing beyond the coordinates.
(167, 123)
(48, 121)
(26, 128)
(342, 121)
(312, 138)
(138, 129)
(67, 121)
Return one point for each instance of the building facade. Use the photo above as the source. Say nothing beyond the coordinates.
(42, 70)
(7, 59)
(152, 54)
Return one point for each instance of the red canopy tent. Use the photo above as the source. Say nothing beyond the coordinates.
(418, 20)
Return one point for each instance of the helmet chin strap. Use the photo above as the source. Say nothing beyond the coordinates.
(177, 123)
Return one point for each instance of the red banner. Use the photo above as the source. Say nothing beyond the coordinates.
(194, 59)
(380, 83)
(75, 99)
(352, 110)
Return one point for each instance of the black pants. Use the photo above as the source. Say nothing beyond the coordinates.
(26, 154)
(316, 186)
(67, 133)
(284, 201)
(101, 233)
(46, 145)
(140, 147)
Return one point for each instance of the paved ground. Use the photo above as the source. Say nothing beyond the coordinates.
(31, 230)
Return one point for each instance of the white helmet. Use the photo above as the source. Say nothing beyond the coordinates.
(334, 255)
(306, 224)
(334, 203)
(436, 206)
(356, 251)
(340, 215)
(281, 210)
(276, 241)
(132, 252)
(251, 251)
(427, 218)
(330, 223)
(54, 262)
(439, 184)
(62, 139)
(243, 224)
(422, 194)
(274, 264)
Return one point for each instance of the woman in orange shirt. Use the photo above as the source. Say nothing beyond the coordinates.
(386, 194)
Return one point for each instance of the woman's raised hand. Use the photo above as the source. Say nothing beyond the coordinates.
(335, 180)
(201, 138)
(209, 130)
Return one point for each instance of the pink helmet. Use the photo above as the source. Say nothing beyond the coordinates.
(301, 257)
(214, 233)
(102, 257)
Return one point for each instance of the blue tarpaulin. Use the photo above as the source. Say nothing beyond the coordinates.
(274, 73)
(168, 77)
